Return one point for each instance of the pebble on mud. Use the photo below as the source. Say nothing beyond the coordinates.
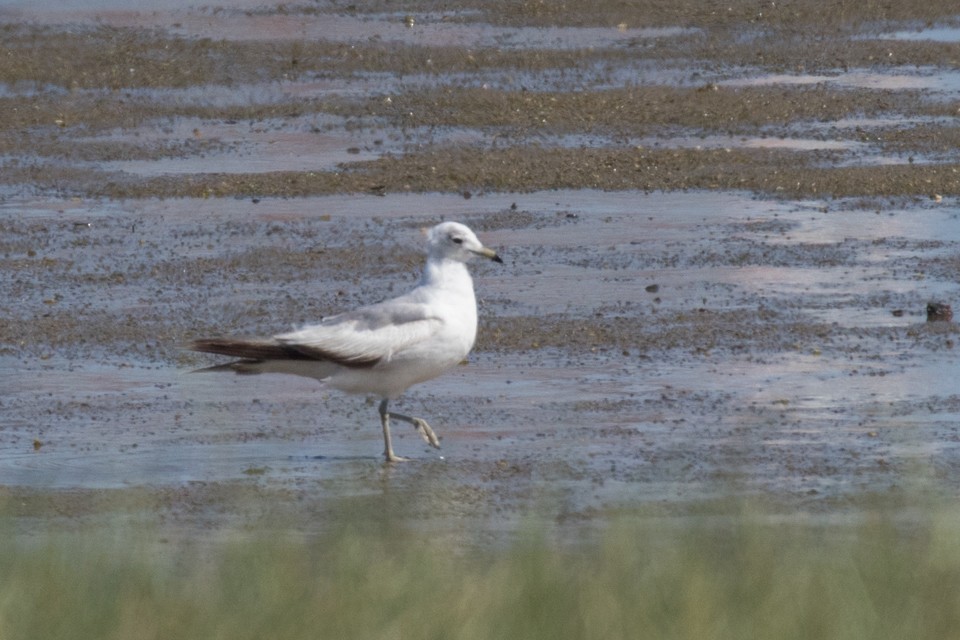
(939, 312)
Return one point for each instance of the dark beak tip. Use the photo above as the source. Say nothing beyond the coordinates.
(497, 259)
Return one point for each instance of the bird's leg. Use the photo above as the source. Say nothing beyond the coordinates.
(385, 423)
(422, 428)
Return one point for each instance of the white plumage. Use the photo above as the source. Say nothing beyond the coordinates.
(384, 348)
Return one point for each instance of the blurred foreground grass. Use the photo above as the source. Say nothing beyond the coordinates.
(731, 577)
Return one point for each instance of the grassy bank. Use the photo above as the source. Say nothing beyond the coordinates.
(740, 577)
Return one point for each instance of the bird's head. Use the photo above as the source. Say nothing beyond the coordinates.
(455, 241)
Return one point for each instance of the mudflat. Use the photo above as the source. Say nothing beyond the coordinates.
(722, 227)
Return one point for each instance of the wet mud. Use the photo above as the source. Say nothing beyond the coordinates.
(720, 240)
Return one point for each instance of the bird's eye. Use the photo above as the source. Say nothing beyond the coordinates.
(457, 240)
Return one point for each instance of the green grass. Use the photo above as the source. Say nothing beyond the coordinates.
(738, 577)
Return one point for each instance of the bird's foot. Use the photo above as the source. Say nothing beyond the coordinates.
(391, 457)
(426, 432)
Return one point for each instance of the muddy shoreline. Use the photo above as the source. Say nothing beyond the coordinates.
(721, 232)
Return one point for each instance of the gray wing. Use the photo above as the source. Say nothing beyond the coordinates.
(365, 336)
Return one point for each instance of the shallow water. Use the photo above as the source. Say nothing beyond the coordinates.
(845, 406)
(935, 80)
(744, 346)
(240, 23)
(936, 33)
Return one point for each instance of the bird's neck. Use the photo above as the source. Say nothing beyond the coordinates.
(446, 274)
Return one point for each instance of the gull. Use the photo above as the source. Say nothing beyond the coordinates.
(384, 348)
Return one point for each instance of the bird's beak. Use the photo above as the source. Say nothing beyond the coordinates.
(489, 253)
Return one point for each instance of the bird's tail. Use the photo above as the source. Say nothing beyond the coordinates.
(246, 349)
(243, 367)
(253, 354)
(264, 356)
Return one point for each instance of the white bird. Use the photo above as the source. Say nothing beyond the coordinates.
(381, 349)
